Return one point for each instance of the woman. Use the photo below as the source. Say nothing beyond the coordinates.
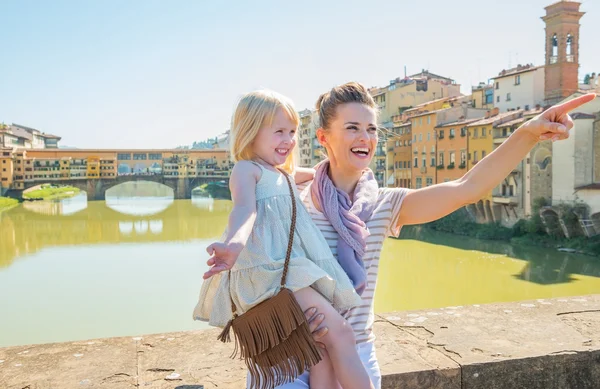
(355, 215)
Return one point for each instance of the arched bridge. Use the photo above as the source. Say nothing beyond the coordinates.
(96, 188)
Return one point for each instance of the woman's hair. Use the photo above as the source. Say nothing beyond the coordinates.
(350, 92)
(255, 110)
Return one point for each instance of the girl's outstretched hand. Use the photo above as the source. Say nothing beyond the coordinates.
(223, 257)
(555, 123)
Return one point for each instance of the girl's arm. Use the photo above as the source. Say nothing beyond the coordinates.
(242, 184)
(436, 201)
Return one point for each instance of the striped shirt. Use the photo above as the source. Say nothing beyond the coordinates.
(383, 223)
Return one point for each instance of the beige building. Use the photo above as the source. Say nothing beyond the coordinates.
(399, 96)
(310, 152)
(19, 136)
(482, 96)
(576, 160)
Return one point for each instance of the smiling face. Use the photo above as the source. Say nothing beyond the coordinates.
(351, 138)
(275, 141)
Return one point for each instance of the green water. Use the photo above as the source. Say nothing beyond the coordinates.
(75, 270)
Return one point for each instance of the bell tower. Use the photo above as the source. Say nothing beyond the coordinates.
(562, 50)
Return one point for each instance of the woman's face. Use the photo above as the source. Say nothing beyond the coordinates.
(351, 139)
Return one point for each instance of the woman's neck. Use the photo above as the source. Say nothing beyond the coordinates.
(344, 180)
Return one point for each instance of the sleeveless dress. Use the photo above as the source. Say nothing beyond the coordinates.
(256, 275)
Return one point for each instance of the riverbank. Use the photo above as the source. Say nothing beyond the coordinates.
(525, 232)
(549, 344)
(50, 192)
(6, 203)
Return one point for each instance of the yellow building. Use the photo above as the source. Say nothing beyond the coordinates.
(6, 168)
(93, 167)
(399, 154)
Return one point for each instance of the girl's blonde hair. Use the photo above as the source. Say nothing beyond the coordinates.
(255, 110)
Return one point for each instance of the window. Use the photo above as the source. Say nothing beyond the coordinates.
(489, 96)
(428, 137)
(124, 156)
(420, 137)
(483, 132)
(415, 138)
(497, 99)
(139, 156)
(441, 158)
(428, 119)
(452, 158)
(508, 96)
(433, 161)
(424, 162)
(570, 57)
(482, 154)
(475, 156)
(432, 149)
(518, 79)
(554, 45)
(497, 84)
(154, 157)
(441, 134)
(416, 162)
(429, 181)
(463, 156)
(451, 133)
(419, 182)
(475, 132)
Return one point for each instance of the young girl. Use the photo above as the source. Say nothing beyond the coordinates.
(253, 248)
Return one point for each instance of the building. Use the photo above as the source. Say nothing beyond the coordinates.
(519, 88)
(452, 149)
(400, 95)
(514, 198)
(20, 168)
(482, 96)
(399, 154)
(310, 151)
(409, 92)
(480, 144)
(19, 136)
(562, 50)
(576, 160)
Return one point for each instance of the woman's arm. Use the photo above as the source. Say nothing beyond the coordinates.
(303, 174)
(436, 201)
(242, 184)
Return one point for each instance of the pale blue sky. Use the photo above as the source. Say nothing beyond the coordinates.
(163, 73)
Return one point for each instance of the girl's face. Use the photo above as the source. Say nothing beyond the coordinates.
(351, 140)
(274, 142)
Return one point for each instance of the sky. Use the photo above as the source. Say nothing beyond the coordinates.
(159, 74)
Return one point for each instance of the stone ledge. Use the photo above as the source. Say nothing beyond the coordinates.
(550, 344)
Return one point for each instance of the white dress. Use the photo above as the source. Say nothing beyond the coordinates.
(256, 275)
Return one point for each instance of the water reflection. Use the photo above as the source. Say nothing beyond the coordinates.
(67, 206)
(34, 226)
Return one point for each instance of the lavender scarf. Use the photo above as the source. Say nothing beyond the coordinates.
(348, 219)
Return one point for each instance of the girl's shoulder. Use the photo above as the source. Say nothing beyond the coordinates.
(244, 169)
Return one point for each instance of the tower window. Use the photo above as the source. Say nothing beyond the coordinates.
(554, 43)
(570, 57)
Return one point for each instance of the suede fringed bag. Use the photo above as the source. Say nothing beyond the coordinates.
(273, 337)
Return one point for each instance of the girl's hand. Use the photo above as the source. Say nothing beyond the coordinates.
(223, 257)
(555, 123)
